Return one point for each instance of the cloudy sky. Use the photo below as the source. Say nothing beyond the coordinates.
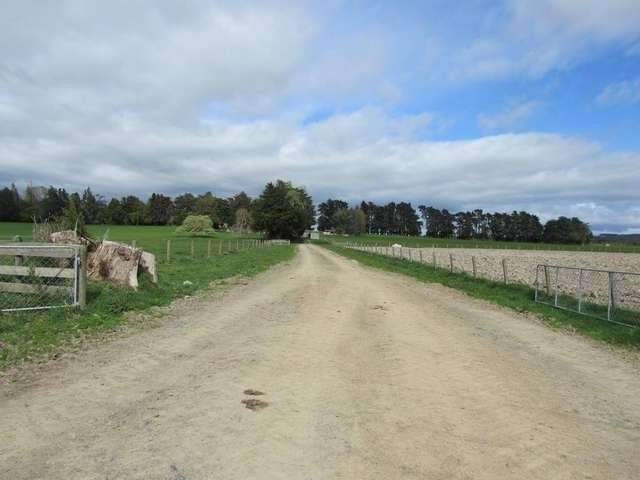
(519, 104)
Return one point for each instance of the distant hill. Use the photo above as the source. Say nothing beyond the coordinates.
(618, 238)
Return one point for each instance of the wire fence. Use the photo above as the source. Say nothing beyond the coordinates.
(605, 294)
(35, 277)
(601, 293)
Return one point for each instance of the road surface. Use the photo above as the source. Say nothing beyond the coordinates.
(365, 375)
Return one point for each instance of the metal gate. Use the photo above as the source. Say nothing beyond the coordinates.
(35, 277)
(610, 295)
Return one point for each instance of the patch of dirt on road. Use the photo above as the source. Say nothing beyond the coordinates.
(254, 403)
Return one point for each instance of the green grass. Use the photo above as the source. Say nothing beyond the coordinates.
(124, 233)
(517, 297)
(425, 242)
(26, 335)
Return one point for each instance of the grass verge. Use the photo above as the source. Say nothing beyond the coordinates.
(517, 297)
(26, 335)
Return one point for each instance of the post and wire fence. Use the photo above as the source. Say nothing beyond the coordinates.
(182, 249)
(606, 294)
(609, 295)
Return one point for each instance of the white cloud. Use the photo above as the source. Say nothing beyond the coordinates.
(511, 116)
(131, 97)
(622, 93)
(361, 155)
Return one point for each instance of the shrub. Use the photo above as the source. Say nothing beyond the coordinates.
(196, 225)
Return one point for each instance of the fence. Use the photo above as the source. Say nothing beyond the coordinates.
(610, 295)
(183, 248)
(34, 277)
(605, 294)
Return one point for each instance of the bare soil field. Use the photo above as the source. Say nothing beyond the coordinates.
(324, 369)
(521, 268)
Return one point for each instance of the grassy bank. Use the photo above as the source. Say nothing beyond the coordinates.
(517, 297)
(26, 335)
(427, 242)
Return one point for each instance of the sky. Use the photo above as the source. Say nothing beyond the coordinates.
(502, 105)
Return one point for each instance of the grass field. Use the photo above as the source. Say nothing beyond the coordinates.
(26, 335)
(515, 296)
(424, 242)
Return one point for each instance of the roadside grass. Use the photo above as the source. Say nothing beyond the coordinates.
(27, 335)
(121, 233)
(424, 242)
(514, 296)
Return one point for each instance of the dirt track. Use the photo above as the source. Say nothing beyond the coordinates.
(366, 375)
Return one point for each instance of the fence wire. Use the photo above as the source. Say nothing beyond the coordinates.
(609, 295)
(35, 280)
(605, 294)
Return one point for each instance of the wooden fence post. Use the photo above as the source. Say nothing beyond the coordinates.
(435, 263)
(193, 249)
(451, 262)
(473, 263)
(133, 244)
(612, 295)
(82, 277)
(420, 255)
(168, 251)
(504, 269)
(220, 247)
(547, 280)
(209, 248)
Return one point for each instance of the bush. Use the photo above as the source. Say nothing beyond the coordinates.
(196, 225)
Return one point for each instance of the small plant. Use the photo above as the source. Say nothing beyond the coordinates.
(196, 225)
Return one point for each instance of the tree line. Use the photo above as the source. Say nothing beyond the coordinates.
(402, 219)
(42, 204)
(281, 211)
(291, 210)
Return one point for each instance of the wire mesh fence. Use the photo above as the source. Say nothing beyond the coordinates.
(605, 294)
(608, 295)
(34, 277)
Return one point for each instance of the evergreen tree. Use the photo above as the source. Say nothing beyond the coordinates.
(283, 211)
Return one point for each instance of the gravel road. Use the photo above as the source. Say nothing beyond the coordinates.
(364, 375)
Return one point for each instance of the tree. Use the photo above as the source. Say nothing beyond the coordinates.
(567, 230)
(184, 205)
(283, 211)
(243, 221)
(159, 209)
(9, 204)
(327, 210)
(115, 213)
(238, 201)
(407, 220)
(53, 203)
(196, 225)
(134, 210)
(92, 207)
(217, 208)
(351, 221)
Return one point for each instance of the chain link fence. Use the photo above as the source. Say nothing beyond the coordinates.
(35, 277)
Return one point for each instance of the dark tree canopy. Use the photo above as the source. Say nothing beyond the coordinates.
(283, 211)
(567, 230)
(327, 211)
